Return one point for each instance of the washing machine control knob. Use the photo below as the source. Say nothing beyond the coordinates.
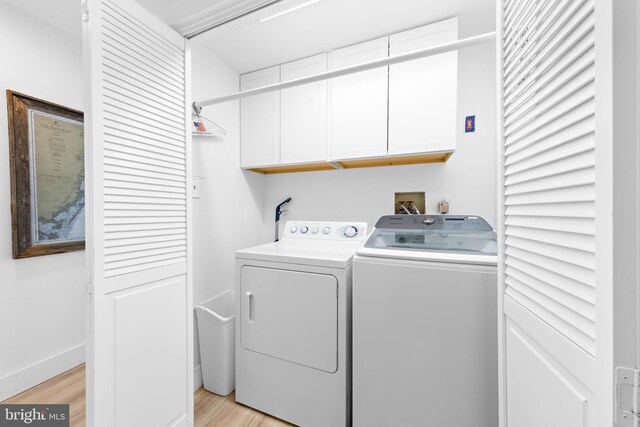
(314, 230)
(304, 229)
(293, 229)
(350, 231)
(326, 230)
(429, 220)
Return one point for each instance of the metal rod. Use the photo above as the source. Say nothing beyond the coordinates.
(225, 21)
(410, 56)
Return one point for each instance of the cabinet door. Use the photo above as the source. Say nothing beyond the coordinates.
(304, 113)
(260, 120)
(422, 93)
(358, 103)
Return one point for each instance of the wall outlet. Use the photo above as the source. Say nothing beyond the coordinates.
(413, 201)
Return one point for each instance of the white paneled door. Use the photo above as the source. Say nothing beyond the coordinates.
(548, 159)
(561, 291)
(139, 357)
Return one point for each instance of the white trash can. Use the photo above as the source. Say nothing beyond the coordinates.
(216, 334)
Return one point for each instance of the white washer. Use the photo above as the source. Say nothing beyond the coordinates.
(425, 323)
(293, 334)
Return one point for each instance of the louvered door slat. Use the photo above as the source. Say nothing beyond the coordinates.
(564, 320)
(126, 243)
(575, 117)
(140, 108)
(142, 169)
(584, 226)
(514, 10)
(144, 152)
(548, 97)
(540, 291)
(558, 153)
(560, 43)
(136, 248)
(140, 30)
(138, 71)
(566, 284)
(142, 114)
(144, 146)
(557, 76)
(142, 180)
(567, 240)
(120, 172)
(169, 145)
(549, 163)
(568, 256)
(544, 16)
(558, 210)
(544, 67)
(131, 146)
(114, 155)
(526, 14)
(553, 120)
(147, 126)
(557, 22)
(168, 62)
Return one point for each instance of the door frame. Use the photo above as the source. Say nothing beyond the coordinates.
(617, 198)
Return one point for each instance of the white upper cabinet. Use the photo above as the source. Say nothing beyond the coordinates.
(304, 113)
(358, 103)
(260, 120)
(423, 93)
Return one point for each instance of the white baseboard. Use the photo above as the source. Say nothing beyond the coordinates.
(197, 377)
(23, 379)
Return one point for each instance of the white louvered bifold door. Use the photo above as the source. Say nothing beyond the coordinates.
(547, 51)
(139, 358)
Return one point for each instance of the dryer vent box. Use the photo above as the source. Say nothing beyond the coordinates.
(409, 199)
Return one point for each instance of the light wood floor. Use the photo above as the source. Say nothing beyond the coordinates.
(210, 409)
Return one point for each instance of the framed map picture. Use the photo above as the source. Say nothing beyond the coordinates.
(46, 146)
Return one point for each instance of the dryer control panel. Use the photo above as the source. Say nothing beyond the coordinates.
(326, 230)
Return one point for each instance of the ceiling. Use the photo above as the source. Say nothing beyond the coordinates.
(247, 44)
(330, 24)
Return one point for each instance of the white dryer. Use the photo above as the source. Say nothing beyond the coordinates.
(425, 323)
(293, 338)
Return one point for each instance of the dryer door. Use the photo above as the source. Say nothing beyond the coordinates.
(290, 315)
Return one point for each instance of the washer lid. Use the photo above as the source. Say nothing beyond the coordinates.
(320, 253)
(446, 238)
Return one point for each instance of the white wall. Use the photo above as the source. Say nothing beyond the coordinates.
(467, 180)
(42, 321)
(228, 215)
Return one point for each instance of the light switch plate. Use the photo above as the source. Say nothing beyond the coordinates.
(195, 181)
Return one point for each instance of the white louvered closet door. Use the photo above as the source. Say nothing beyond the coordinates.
(548, 271)
(139, 357)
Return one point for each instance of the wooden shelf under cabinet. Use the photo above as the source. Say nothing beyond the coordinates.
(358, 163)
